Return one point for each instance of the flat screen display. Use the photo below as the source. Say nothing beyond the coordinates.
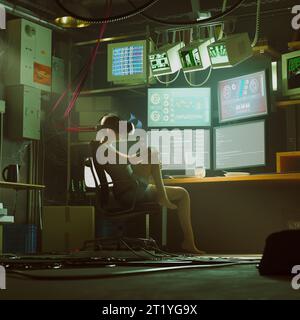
(159, 62)
(218, 54)
(240, 146)
(191, 58)
(181, 149)
(243, 97)
(173, 107)
(127, 62)
(293, 73)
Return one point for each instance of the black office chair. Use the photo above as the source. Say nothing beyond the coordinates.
(108, 207)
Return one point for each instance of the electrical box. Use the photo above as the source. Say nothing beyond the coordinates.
(29, 55)
(58, 75)
(23, 112)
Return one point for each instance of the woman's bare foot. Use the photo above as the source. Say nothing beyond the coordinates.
(191, 248)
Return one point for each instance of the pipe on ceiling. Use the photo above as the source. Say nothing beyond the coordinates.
(29, 15)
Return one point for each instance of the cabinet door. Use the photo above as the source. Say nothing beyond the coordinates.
(32, 113)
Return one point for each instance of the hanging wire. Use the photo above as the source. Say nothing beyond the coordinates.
(257, 28)
(130, 14)
(222, 28)
(191, 22)
(200, 84)
(168, 82)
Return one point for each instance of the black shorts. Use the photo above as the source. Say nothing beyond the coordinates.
(143, 193)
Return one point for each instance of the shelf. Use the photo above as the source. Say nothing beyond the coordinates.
(115, 89)
(295, 45)
(288, 103)
(272, 177)
(20, 186)
(266, 49)
(78, 144)
(288, 161)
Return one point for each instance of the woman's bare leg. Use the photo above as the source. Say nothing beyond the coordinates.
(146, 171)
(182, 198)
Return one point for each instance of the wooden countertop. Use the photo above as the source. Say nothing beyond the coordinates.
(254, 177)
(21, 186)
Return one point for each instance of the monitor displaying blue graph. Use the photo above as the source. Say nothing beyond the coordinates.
(127, 62)
(174, 107)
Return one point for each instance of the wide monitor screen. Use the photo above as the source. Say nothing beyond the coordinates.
(243, 97)
(182, 149)
(240, 146)
(173, 107)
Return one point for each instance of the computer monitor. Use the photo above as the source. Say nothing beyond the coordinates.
(230, 51)
(127, 62)
(166, 59)
(243, 97)
(291, 74)
(178, 107)
(240, 146)
(181, 150)
(194, 57)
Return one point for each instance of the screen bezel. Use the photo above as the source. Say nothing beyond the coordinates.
(176, 126)
(248, 116)
(141, 78)
(285, 90)
(234, 125)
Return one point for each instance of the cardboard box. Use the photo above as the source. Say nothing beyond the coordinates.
(67, 228)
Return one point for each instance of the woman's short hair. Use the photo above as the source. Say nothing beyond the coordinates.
(111, 121)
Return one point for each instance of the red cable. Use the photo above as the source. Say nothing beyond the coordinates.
(77, 91)
(85, 70)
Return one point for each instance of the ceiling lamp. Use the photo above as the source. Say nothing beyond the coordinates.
(70, 22)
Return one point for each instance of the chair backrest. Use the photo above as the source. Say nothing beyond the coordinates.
(91, 178)
(99, 175)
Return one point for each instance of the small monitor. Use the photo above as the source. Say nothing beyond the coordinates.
(291, 74)
(181, 150)
(240, 146)
(230, 51)
(166, 59)
(127, 62)
(243, 97)
(194, 57)
(178, 107)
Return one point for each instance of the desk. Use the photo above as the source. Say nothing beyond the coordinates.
(28, 187)
(241, 211)
(290, 177)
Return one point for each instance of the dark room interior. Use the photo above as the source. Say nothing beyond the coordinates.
(149, 150)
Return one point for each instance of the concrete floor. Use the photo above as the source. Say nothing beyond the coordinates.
(229, 283)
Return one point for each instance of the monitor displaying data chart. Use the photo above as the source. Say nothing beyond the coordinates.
(181, 149)
(240, 146)
(127, 62)
(173, 107)
(243, 97)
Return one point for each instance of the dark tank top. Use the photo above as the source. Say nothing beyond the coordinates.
(126, 185)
